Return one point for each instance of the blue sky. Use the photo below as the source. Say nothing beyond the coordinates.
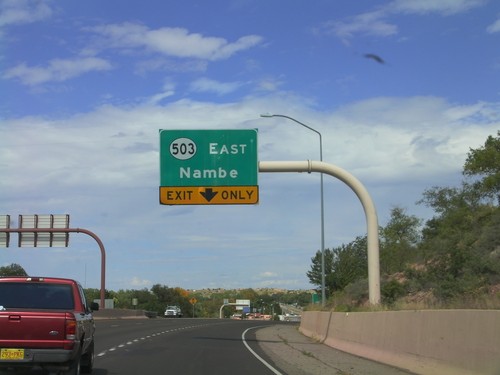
(399, 89)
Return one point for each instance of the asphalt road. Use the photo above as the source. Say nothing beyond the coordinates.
(214, 346)
(179, 346)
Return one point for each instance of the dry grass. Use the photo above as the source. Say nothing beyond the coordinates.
(416, 301)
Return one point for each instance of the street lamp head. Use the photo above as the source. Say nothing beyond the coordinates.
(266, 115)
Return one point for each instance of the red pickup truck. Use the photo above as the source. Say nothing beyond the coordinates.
(45, 322)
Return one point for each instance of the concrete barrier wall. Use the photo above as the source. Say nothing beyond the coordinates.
(120, 314)
(315, 325)
(441, 342)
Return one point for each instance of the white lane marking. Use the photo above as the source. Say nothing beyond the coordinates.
(103, 353)
(255, 354)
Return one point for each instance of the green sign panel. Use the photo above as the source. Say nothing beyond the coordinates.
(208, 158)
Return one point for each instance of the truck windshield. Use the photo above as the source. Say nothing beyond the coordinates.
(36, 296)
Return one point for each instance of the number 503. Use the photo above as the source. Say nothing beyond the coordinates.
(183, 148)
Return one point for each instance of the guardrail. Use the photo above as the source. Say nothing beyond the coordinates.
(440, 342)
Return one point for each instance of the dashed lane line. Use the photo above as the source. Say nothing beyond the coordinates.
(153, 335)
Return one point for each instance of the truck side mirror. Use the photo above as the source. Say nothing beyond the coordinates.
(94, 306)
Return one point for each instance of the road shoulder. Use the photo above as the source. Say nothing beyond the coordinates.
(296, 354)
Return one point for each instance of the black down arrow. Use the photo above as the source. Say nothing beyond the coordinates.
(208, 194)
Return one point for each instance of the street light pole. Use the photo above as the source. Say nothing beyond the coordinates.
(323, 294)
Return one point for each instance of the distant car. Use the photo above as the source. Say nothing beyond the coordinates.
(173, 312)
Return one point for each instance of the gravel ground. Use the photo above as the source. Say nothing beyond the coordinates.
(296, 354)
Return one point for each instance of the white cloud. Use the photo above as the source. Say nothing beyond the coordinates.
(268, 274)
(171, 65)
(375, 23)
(494, 27)
(168, 91)
(177, 42)
(23, 11)
(210, 85)
(444, 7)
(57, 70)
(269, 84)
(372, 23)
(137, 282)
(425, 135)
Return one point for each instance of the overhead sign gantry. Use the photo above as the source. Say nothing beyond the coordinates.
(48, 231)
(220, 167)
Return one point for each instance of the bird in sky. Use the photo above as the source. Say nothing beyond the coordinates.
(374, 57)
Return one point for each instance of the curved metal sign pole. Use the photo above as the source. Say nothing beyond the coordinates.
(368, 206)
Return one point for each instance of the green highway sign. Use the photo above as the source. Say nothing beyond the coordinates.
(194, 162)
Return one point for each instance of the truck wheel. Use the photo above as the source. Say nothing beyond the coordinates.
(74, 367)
(87, 363)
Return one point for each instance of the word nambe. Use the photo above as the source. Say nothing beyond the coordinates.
(207, 173)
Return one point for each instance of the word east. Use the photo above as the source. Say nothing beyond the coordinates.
(216, 149)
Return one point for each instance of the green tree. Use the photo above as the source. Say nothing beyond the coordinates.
(92, 294)
(459, 242)
(484, 163)
(399, 239)
(314, 274)
(343, 265)
(13, 269)
(350, 264)
(391, 291)
(123, 299)
(147, 300)
(165, 294)
(249, 293)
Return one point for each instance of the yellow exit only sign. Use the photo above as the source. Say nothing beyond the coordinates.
(178, 195)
